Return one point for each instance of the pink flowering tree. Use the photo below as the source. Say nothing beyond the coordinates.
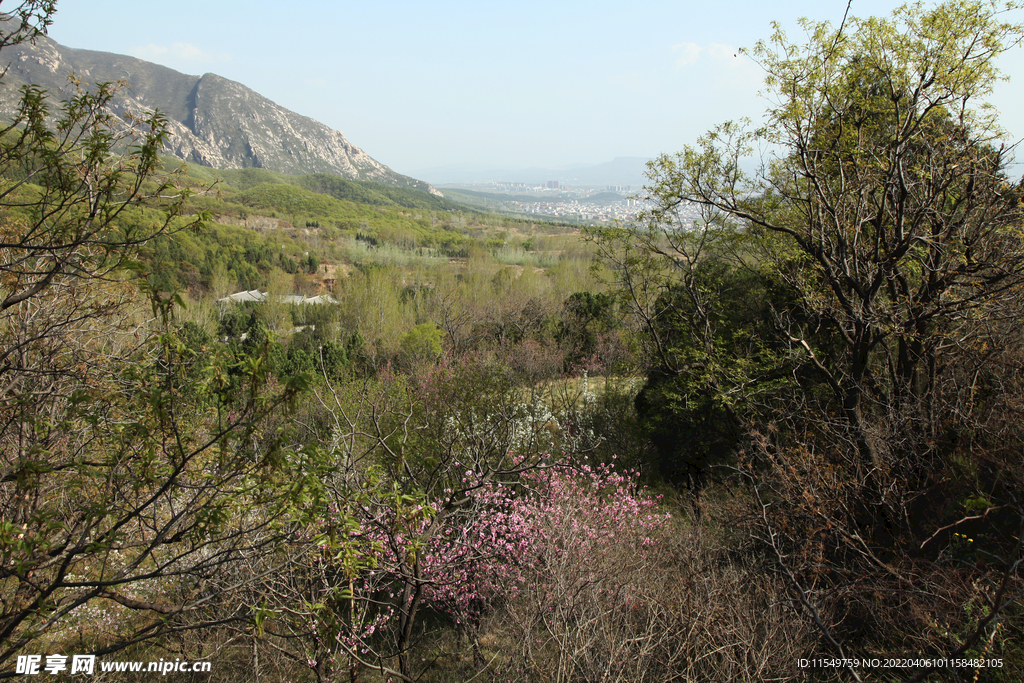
(374, 564)
(584, 607)
(385, 559)
(439, 506)
(397, 528)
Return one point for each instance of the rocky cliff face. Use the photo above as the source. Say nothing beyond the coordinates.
(212, 121)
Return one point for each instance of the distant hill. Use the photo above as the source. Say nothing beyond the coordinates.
(271, 184)
(603, 197)
(621, 171)
(494, 196)
(213, 121)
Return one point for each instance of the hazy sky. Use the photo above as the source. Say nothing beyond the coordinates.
(513, 84)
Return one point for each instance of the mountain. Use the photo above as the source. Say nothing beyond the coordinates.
(212, 121)
(621, 171)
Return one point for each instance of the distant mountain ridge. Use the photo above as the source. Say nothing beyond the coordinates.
(212, 121)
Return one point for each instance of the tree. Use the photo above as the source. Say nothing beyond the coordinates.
(116, 499)
(887, 227)
(889, 212)
(719, 361)
(585, 318)
(29, 20)
(68, 202)
(420, 346)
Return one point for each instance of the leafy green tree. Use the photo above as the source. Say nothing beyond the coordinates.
(421, 345)
(884, 217)
(584, 316)
(373, 306)
(66, 199)
(720, 362)
(889, 213)
(332, 360)
(312, 263)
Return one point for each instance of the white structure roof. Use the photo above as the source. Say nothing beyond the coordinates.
(258, 296)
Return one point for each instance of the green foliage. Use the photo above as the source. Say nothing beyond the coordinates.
(244, 178)
(365, 192)
(720, 357)
(356, 191)
(52, 228)
(585, 316)
(311, 264)
(134, 452)
(421, 344)
(289, 199)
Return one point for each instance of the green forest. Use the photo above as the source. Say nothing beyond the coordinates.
(778, 443)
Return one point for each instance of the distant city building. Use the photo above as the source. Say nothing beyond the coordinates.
(552, 185)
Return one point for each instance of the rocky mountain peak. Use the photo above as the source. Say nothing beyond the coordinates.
(213, 121)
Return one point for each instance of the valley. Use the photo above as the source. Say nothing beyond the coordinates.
(273, 411)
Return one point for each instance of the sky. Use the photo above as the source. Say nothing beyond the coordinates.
(420, 84)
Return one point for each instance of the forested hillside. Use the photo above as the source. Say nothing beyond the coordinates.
(778, 443)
